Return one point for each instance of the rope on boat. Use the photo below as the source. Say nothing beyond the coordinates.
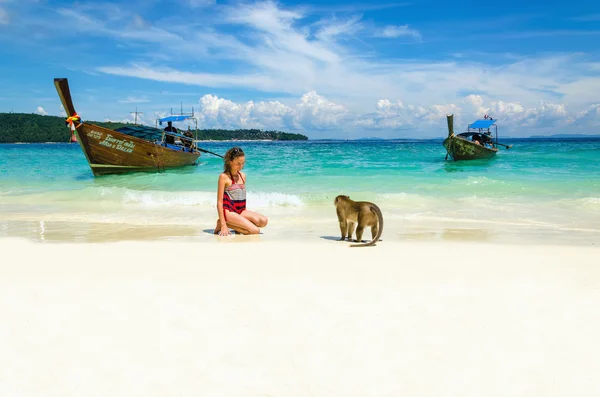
(70, 121)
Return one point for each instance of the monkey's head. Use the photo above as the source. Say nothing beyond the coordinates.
(339, 198)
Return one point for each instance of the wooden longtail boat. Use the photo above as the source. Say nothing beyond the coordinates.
(128, 149)
(476, 143)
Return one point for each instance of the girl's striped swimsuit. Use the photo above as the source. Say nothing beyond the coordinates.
(234, 197)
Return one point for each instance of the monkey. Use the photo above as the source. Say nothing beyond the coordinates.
(362, 213)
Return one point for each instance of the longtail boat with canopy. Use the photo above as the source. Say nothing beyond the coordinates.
(480, 141)
(131, 148)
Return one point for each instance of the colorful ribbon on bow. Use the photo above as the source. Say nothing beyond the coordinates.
(71, 121)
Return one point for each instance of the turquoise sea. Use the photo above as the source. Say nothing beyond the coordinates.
(540, 191)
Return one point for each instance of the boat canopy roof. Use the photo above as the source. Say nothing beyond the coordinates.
(147, 133)
(174, 118)
(142, 131)
(482, 123)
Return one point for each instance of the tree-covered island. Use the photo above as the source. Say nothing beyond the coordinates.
(35, 128)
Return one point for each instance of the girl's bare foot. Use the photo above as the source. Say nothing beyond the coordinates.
(217, 228)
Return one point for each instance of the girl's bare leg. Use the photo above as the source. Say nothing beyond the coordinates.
(238, 223)
(257, 219)
(230, 226)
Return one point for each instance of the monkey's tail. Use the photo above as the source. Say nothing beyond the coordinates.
(377, 211)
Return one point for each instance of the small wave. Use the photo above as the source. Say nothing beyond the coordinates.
(119, 196)
(582, 203)
(408, 199)
(589, 200)
(192, 198)
(479, 201)
(479, 180)
(275, 199)
(153, 199)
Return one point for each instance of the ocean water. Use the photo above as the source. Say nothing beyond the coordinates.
(543, 191)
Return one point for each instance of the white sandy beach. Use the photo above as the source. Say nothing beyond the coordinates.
(306, 318)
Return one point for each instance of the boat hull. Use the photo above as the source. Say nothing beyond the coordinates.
(112, 152)
(461, 149)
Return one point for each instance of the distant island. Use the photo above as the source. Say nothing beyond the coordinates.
(35, 128)
(563, 136)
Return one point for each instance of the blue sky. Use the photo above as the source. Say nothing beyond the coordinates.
(326, 69)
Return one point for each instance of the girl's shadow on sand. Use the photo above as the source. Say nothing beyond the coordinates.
(233, 233)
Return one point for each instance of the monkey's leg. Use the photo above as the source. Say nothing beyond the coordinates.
(343, 229)
(351, 229)
(359, 232)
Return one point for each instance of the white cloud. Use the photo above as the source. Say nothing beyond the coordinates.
(201, 79)
(40, 110)
(280, 35)
(215, 112)
(390, 116)
(264, 16)
(589, 117)
(394, 31)
(331, 29)
(132, 99)
(317, 116)
(312, 113)
(316, 112)
(516, 116)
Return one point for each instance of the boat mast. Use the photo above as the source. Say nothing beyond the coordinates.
(136, 114)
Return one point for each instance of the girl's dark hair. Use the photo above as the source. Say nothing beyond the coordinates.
(231, 155)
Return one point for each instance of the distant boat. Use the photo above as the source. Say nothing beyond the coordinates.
(478, 142)
(129, 149)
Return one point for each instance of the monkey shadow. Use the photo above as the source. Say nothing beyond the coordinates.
(334, 238)
(331, 238)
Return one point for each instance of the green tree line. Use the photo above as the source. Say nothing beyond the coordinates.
(35, 128)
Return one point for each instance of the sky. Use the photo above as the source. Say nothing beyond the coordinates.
(326, 69)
